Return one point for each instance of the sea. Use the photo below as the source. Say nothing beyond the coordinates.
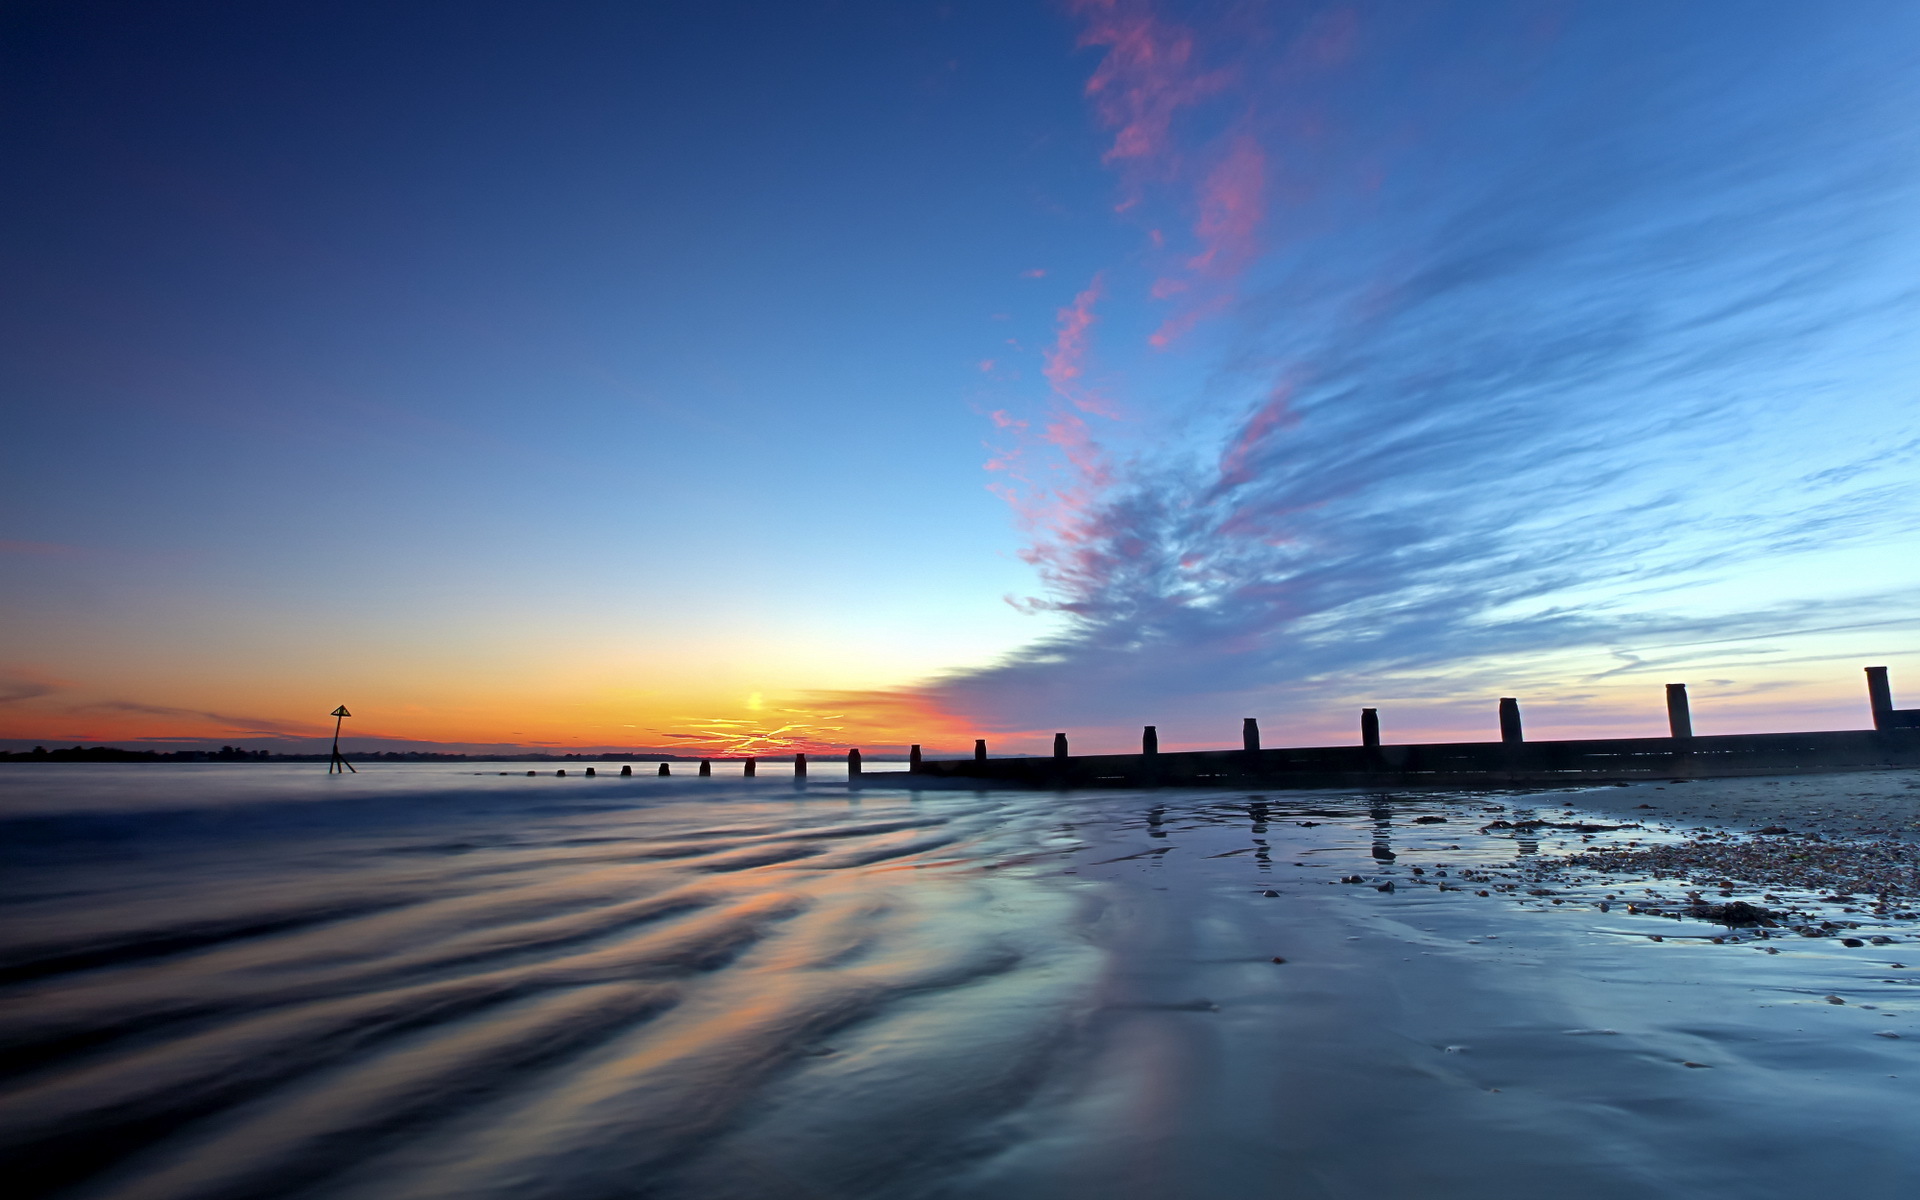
(498, 981)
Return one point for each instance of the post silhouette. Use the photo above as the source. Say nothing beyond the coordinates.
(706, 768)
(664, 770)
(1509, 760)
(626, 770)
(913, 757)
(1679, 712)
(338, 764)
(1510, 721)
(853, 764)
(590, 773)
(1880, 695)
(799, 766)
(747, 767)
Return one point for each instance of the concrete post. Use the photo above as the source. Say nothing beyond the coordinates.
(979, 749)
(626, 770)
(706, 768)
(748, 767)
(1369, 727)
(1150, 740)
(1510, 721)
(590, 774)
(1059, 745)
(853, 764)
(1679, 713)
(913, 757)
(663, 769)
(1249, 734)
(1880, 695)
(799, 766)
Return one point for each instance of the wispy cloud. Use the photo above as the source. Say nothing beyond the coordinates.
(18, 686)
(227, 722)
(1624, 320)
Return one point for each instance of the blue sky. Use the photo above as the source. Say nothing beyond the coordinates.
(588, 373)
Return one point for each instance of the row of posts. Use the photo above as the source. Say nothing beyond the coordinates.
(1679, 721)
(1679, 725)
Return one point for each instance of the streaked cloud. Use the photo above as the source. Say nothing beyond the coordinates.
(1590, 328)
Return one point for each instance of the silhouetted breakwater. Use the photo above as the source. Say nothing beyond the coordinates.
(1512, 761)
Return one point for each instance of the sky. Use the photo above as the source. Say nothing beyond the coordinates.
(743, 378)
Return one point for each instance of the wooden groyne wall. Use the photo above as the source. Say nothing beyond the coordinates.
(1513, 761)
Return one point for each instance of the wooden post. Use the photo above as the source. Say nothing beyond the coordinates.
(913, 758)
(1679, 714)
(1880, 695)
(706, 768)
(590, 773)
(626, 770)
(853, 764)
(799, 766)
(562, 773)
(1510, 721)
(979, 749)
(663, 770)
(1249, 734)
(1059, 745)
(1370, 727)
(1150, 741)
(747, 767)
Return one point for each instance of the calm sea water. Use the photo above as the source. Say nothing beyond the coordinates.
(252, 981)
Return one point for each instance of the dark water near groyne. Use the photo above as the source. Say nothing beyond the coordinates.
(425, 982)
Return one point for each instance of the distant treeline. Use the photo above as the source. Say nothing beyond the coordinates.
(110, 754)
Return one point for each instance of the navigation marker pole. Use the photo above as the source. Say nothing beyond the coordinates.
(339, 765)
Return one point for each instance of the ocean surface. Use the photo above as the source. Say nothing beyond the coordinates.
(239, 980)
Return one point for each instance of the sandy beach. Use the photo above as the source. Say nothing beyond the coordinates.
(569, 988)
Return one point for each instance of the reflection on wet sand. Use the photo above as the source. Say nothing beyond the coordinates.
(707, 988)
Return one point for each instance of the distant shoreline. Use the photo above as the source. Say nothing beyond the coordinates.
(114, 754)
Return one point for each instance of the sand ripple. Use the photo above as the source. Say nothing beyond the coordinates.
(556, 1000)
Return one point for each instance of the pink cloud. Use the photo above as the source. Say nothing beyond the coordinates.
(1148, 75)
(1034, 273)
(1066, 361)
(1232, 206)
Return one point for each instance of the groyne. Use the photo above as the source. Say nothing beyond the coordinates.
(1513, 761)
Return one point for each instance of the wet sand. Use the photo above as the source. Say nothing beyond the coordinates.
(1855, 805)
(613, 988)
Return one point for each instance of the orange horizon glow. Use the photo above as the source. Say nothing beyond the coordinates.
(887, 721)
